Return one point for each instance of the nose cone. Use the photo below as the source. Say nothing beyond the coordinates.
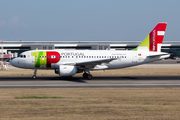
(14, 62)
(18, 62)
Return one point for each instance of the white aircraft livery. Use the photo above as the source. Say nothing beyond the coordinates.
(70, 62)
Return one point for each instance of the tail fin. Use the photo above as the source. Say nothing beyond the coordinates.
(154, 40)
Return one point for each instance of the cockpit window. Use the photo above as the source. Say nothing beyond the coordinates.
(22, 56)
(19, 55)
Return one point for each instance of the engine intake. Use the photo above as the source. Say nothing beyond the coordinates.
(66, 70)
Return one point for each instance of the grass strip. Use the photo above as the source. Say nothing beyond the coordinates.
(91, 104)
(37, 97)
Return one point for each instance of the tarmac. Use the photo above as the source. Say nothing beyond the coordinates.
(133, 81)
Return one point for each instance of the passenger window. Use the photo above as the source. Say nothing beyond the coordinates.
(53, 56)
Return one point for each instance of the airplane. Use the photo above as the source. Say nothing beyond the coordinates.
(70, 62)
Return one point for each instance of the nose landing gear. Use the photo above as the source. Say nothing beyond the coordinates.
(35, 72)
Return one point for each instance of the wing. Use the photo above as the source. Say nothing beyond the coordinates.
(92, 64)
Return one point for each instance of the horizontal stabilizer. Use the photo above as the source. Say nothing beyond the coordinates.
(154, 54)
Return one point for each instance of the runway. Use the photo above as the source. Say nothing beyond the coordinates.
(133, 81)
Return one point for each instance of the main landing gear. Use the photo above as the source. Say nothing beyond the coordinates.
(87, 75)
(35, 72)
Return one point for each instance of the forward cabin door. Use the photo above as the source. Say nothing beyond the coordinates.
(134, 57)
(33, 59)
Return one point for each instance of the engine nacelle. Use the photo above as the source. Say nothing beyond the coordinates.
(66, 70)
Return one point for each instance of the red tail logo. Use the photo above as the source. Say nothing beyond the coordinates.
(156, 36)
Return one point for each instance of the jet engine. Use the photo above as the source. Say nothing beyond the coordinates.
(66, 70)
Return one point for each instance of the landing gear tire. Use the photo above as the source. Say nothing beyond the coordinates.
(85, 75)
(34, 77)
(35, 72)
(89, 77)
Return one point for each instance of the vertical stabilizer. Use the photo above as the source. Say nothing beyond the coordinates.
(154, 39)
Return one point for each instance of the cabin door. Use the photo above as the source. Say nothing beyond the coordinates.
(134, 57)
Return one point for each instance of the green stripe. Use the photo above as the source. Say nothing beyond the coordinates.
(145, 43)
(39, 60)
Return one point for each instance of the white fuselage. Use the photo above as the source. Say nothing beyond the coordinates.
(120, 59)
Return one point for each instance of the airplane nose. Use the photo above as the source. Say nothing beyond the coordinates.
(16, 62)
(13, 62)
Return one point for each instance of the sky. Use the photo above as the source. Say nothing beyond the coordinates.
(87, 20)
